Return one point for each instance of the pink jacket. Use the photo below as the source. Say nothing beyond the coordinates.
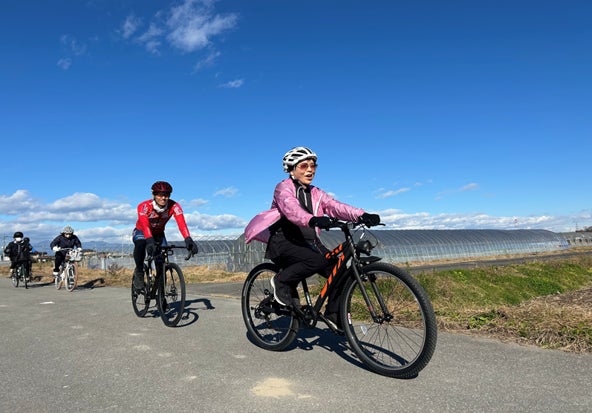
(285, 203)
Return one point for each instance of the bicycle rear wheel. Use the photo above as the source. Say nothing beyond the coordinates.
(270, 326)
(71, 280)
(171, 295)
(399, 342)
(141, 297)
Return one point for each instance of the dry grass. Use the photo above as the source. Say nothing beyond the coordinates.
(121, 277)
(558, 321)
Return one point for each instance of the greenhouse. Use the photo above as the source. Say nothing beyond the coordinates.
(401, 246)
(230, 253)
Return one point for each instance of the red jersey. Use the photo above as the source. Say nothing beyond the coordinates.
(151, 222)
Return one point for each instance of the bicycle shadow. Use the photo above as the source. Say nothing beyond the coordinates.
(190, 315)
(310, 338)
(88, 285)
(92, 283)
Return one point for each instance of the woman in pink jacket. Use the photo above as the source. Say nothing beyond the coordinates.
(291, 228)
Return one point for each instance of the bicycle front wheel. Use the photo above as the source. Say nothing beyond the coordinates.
(141, 297)
(15, 277)
(71, 277)
(400, 339)
(171, 295)
(24, 275)
(57, 280)
(270, 325)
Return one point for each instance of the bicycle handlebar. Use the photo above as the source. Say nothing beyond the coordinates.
(163, 248)
(337, 223)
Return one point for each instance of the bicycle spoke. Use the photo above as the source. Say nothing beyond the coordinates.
(171, 295)
(269, 325)
(140, 297)
(399, 339)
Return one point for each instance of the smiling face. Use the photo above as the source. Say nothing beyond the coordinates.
(161, 198)
(304, 171)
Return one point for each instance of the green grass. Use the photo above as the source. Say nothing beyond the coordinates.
(528, 302)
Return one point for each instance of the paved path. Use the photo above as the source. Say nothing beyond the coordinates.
(87, 351)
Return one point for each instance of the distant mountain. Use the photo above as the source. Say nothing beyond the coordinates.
(99, 246)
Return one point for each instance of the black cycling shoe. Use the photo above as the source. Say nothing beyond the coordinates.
(333, 321)
(281, 292)
(138, 280)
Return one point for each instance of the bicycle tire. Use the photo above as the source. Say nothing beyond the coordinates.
(170, 297)
(71, 280)
(402, 346)
(58, 279)
(15, 277)
(141, 298)
(269, 325)
(24, 275)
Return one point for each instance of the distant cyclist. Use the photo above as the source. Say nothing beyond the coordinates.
(291, 228)
(19, 250)
(66, 239)
(153, 215)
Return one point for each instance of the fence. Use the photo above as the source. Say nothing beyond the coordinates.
(396, 246)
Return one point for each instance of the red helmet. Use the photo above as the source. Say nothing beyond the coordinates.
(161, 186)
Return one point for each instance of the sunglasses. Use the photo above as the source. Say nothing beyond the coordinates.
(303, 166)
(162, 194)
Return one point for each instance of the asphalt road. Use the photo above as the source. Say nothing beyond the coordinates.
(87, 351)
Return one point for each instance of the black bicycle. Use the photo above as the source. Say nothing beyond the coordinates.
(21, 274)
(386, 314)
(163, 282)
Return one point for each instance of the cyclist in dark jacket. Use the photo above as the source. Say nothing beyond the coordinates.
(19, 250)
(66, 239)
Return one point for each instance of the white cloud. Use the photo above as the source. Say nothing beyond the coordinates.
(188, 27)
(465, 188)
(130, 26)
(227, 192)
(233, 84)
(382, 194)
(193, 23)
(64, 63)
(469, 187)
(207, 61)
(72, 45)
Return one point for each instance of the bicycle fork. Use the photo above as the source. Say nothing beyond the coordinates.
(355, 270)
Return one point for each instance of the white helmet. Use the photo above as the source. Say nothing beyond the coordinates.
(295, 155)
(67, 230)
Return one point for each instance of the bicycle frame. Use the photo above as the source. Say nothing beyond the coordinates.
(70, 262)
(369, 294)
(164, 283)
(157, 264)
(339, 272)
(21, 274)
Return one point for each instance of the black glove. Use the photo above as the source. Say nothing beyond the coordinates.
(191, 246)
(370, 220)
(321, 222)
(150, 246)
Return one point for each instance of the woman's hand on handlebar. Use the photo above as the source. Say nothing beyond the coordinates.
(370, 220)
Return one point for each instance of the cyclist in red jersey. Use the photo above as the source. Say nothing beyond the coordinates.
(153, 215)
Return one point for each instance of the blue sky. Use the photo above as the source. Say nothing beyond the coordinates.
(434, 114)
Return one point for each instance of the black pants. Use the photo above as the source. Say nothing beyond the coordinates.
(299, 261)
(60, 257)
(28, 263)
(140, 247)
